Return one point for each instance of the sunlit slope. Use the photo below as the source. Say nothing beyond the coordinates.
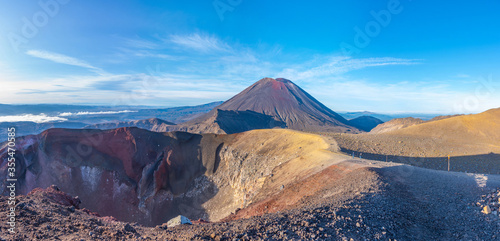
(479, 129)
(256, 164)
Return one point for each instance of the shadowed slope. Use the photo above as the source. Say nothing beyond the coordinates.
(365, 123)
(226, 122)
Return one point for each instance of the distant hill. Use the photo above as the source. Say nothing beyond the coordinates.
(176, 114)
(387, 116)
(442, 117)
(365, 123)
(400, 123)
(356, 114)
(396, 124)
(152, 124)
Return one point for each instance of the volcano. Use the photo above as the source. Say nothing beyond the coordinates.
(278, 98)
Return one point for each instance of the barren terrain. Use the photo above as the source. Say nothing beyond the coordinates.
(291, 185)
(357, 199)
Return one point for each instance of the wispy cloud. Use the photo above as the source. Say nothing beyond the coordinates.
(401, 96)
(131, 53)
(120, 82)
(61, 59)
(200, 42)
(156, 55)
(140, 43)
(338, 65)
(130, 49)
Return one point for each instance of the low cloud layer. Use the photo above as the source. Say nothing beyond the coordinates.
(41, 118)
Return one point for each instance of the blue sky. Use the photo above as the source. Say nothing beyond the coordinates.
(385, 56)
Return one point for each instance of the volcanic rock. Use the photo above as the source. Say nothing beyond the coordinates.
(53, 194)
(178, 221)
(486, 210)
(129, 228)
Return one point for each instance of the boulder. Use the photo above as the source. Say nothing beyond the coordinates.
(177, 221)
(486, 210)
(54, 194)
(129, 228)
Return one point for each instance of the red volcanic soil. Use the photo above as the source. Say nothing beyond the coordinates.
(55, 195)
(292, 195)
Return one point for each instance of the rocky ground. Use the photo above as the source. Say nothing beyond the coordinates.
(374, 201)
